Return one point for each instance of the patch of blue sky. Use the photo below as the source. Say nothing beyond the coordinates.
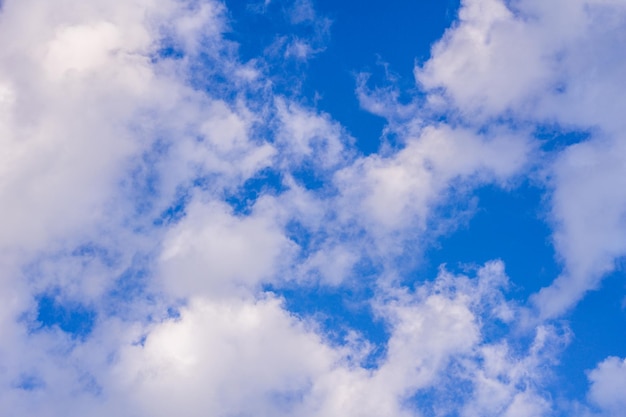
(174, 212)
(242, 199)
(338, 311)
(307, 176)
(397, 31)
(168, 50)
(301, 235)
(554, 137)
(73, 318)
(597, 325)
(29, 382)
(506, 224)
(446, 398)
(385, 41)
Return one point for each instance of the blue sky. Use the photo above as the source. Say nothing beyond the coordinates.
(312, 208)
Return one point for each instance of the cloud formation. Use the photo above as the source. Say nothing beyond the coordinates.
(158, 195)
(549, 64)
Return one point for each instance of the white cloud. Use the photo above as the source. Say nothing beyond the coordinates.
(305, 136)
(589, 206)
(99, 135)
(80, 95)
(490, 61)
(607, 386)
(400, 191)
(212, 251)
(302, 11)
(226, 357)
(251, 357)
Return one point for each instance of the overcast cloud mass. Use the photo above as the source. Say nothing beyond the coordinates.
(186, 231)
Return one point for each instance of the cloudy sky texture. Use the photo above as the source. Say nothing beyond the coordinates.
(206, 212)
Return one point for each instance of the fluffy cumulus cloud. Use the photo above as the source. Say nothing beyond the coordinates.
(161, 198)
(606, 382)
(249, 356)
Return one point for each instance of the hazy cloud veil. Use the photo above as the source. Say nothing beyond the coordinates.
(161, 197)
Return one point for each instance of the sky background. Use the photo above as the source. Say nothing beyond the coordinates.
(312, 208)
